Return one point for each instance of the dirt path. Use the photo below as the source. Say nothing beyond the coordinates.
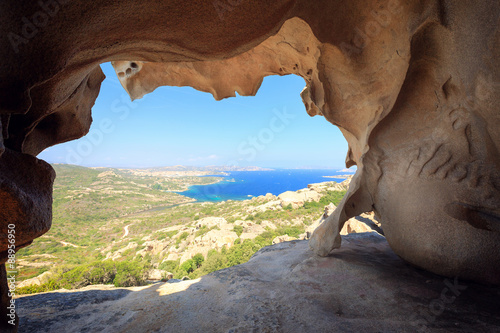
(126, 231)
(67, 244)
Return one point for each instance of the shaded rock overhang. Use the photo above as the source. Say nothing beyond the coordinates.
(413, 85)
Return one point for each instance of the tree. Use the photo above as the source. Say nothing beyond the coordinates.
(238, 229)
(198, 259)
(188, 266)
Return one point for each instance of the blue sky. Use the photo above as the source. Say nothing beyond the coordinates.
(182, 126)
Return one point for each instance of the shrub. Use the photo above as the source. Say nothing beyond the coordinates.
(202, 231)
(198, 259)
(188, 266)
(121, 274)
(238, 229)
(211, 252)
(169, 265)
(172, 233)
(182, 237)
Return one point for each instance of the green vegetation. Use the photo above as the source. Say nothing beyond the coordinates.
(121, 274)
(238, 229)
(183, 183)
(203, 230)
(330, 197)
(182, 237)
(239, 253)
(110, 213)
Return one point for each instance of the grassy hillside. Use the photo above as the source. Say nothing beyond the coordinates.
(110, 213)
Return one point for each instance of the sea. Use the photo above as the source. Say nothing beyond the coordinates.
(243, 185)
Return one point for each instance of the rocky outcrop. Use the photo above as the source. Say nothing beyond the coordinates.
(298, 198)
(371, 76)
(153, 247)
(284, 238)
(362, 287)
(117, 254)
(331, 186)
(412, 85)
(271, 205)
(359, 224)
(36, 281)
(264, 198)
(213, 240)
(159, 274)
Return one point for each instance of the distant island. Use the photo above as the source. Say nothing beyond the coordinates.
(348, 170)
(182, 168)
(338, 176)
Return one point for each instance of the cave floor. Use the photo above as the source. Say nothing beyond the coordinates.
(362, 287)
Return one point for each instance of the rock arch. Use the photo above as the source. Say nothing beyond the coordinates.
(413, 85)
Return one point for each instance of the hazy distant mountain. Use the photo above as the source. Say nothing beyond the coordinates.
(208, 168)
(348, 170)
(235, 168)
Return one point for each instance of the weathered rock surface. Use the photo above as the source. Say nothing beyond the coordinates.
(284, 238)
(298, 198)
(362, 287)
(271, 205)
(387, 76)
(37, 280)
(159, 274)
(331, 186)
(358, 224)
(26, 199)
(412, 85)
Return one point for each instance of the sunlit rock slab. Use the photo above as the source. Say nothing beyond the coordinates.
(362, 287)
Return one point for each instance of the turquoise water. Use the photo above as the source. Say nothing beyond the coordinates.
(242, 185)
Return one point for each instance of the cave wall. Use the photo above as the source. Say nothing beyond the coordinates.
(413, 86)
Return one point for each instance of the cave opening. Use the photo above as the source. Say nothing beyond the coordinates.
(183, 126)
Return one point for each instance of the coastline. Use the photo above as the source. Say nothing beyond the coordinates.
(184, 189)
(338, 176)
(253, 185)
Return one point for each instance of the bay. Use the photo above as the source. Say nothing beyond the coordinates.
(243, 185)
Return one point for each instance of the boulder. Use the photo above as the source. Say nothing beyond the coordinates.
(37, 280)
(297, 199)
(353, 225)
(152, 247)
(291, 198)
(284, 238)
(212, 240)
(310, 195)
(271, 205)
(159, 274)
(264, 198)
(211, 222)
(117, 254)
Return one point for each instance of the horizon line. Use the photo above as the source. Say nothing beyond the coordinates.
(215, 166)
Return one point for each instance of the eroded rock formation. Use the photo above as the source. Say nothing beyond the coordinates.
(415, 96)
(413, 86)
(283, 288)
